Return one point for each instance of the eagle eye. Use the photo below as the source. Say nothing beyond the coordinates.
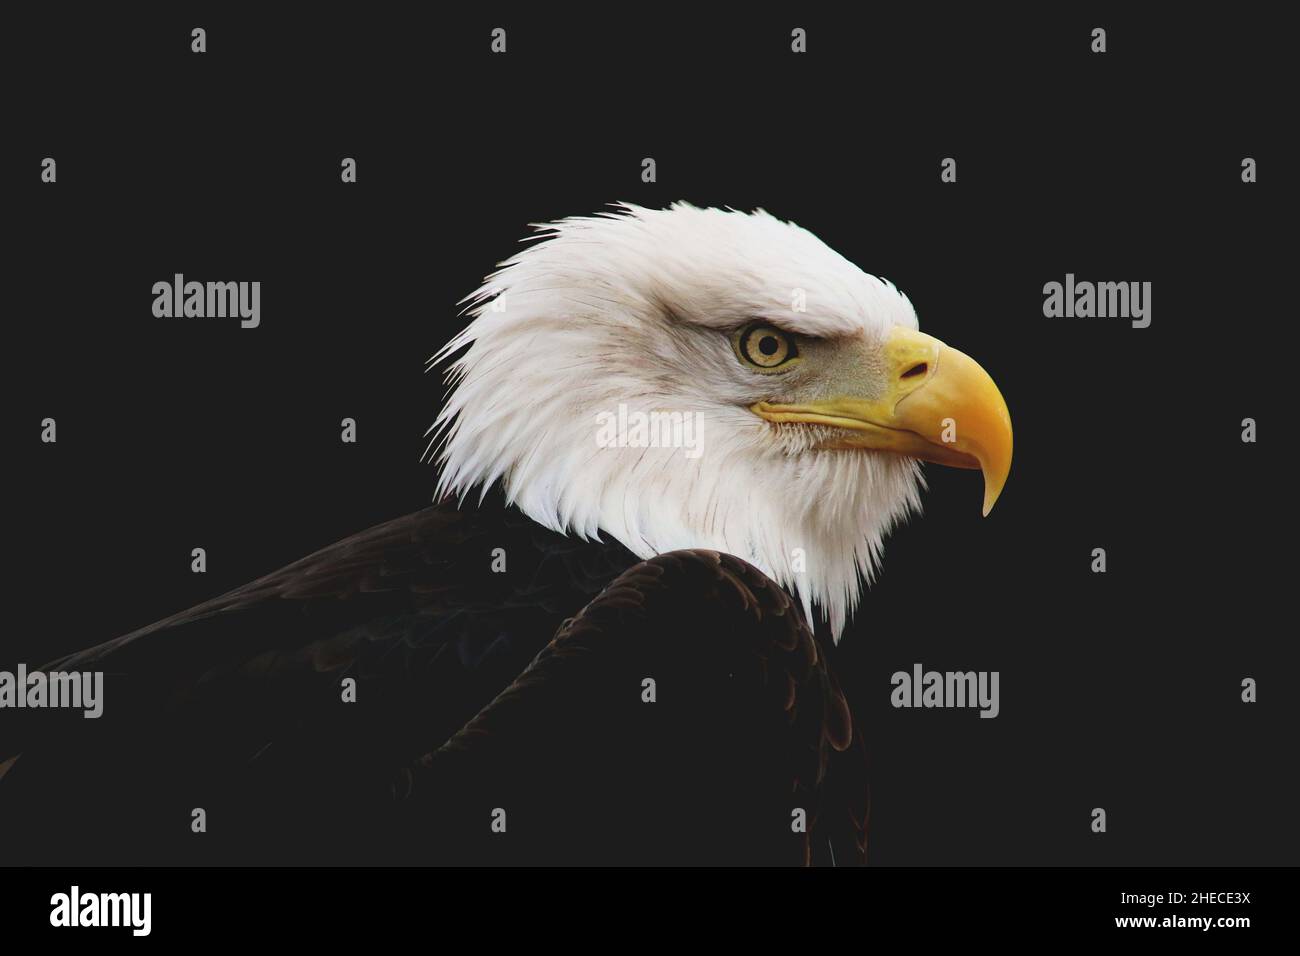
(765, 347)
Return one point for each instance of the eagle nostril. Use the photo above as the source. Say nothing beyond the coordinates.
(919, 368)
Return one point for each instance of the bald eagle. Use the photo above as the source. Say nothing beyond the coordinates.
(590, 649)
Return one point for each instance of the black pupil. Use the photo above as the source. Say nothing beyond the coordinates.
(768, 345)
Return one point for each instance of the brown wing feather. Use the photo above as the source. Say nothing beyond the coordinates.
(683, 616)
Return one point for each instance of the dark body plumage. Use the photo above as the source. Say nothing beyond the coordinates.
(475, 690)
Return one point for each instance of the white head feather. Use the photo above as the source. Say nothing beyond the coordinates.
(635, 307)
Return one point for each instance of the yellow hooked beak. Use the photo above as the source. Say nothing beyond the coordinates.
(938, 405)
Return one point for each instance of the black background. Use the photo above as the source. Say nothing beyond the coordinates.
(1119, 690)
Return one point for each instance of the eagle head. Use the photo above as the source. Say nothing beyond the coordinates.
(707, 378)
